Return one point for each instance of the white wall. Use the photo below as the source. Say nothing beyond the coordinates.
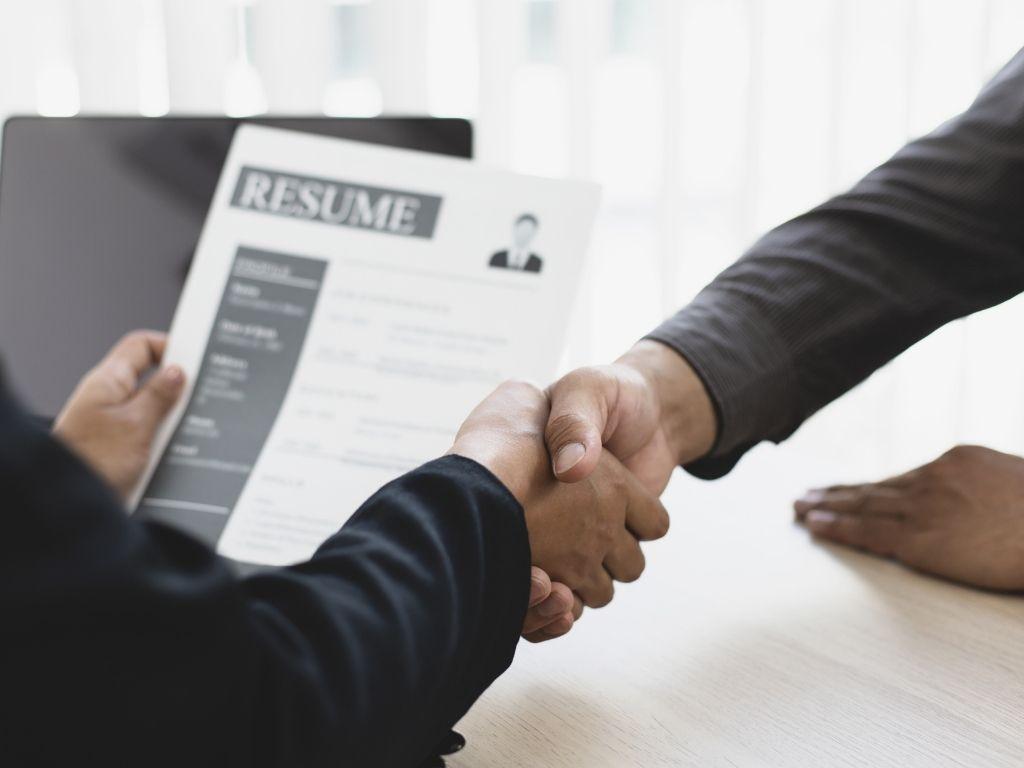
(707, 121)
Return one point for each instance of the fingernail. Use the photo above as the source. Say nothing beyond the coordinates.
(810, 499)
(174, 375)
(568, 457)
(820, 517)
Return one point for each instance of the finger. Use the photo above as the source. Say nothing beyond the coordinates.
(557, 628)
(878, 535)
(576, 422)
(598, 591)
(648, 464)
(577, 607)
(557, 604)
(116, 377)
(141, 349)
(625, 562)
(815, 497)
(646, 517)
(158, 396)
(540, 586)
(866, 499)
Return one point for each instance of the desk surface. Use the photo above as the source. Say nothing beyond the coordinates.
(747, 645)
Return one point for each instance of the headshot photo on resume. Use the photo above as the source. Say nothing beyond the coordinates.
(519, 256)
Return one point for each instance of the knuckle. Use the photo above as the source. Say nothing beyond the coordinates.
(933, 470)
(603, 596)
(861, 500)
(635, 571)
(588, 383)
(579, 377)
(133, 337)
(520, 385)
(953, 454)
(522, 389)
(959, 454)
(131, 342)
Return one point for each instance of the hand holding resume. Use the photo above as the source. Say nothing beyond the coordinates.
(342, 316)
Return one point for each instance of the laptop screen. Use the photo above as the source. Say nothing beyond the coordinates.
(98, 221)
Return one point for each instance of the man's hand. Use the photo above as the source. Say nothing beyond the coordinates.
(583, 535)
(112, 416)
(649, 409)
(960, 517)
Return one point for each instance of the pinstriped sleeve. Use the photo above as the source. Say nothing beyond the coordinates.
(824, 300)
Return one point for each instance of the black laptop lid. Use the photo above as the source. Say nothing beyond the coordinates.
(99, 218)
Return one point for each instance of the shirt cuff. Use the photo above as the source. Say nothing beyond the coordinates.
(746, 371)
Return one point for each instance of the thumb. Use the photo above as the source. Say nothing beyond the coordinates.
(579, 414)
(157, 396)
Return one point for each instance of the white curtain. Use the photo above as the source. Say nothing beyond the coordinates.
(707, 121)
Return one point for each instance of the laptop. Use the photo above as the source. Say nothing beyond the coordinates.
(99, 217)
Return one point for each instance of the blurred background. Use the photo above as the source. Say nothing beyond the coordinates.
(706, 121)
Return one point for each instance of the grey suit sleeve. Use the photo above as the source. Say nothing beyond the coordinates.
(821, 302)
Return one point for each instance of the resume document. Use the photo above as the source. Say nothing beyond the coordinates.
(347, 307)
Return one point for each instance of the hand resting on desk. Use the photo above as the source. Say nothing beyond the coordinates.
(960, 517)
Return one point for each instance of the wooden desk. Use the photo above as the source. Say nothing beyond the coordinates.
(747, 645)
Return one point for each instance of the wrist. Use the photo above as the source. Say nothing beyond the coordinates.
(505, 433)
(517, 462)
(686, 412)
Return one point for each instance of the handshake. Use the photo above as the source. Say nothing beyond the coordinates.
(587, 460)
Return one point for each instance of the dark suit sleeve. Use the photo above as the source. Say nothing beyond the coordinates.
(128, 644)
(821, 302)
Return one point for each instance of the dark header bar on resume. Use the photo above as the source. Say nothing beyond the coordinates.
(341, 203)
